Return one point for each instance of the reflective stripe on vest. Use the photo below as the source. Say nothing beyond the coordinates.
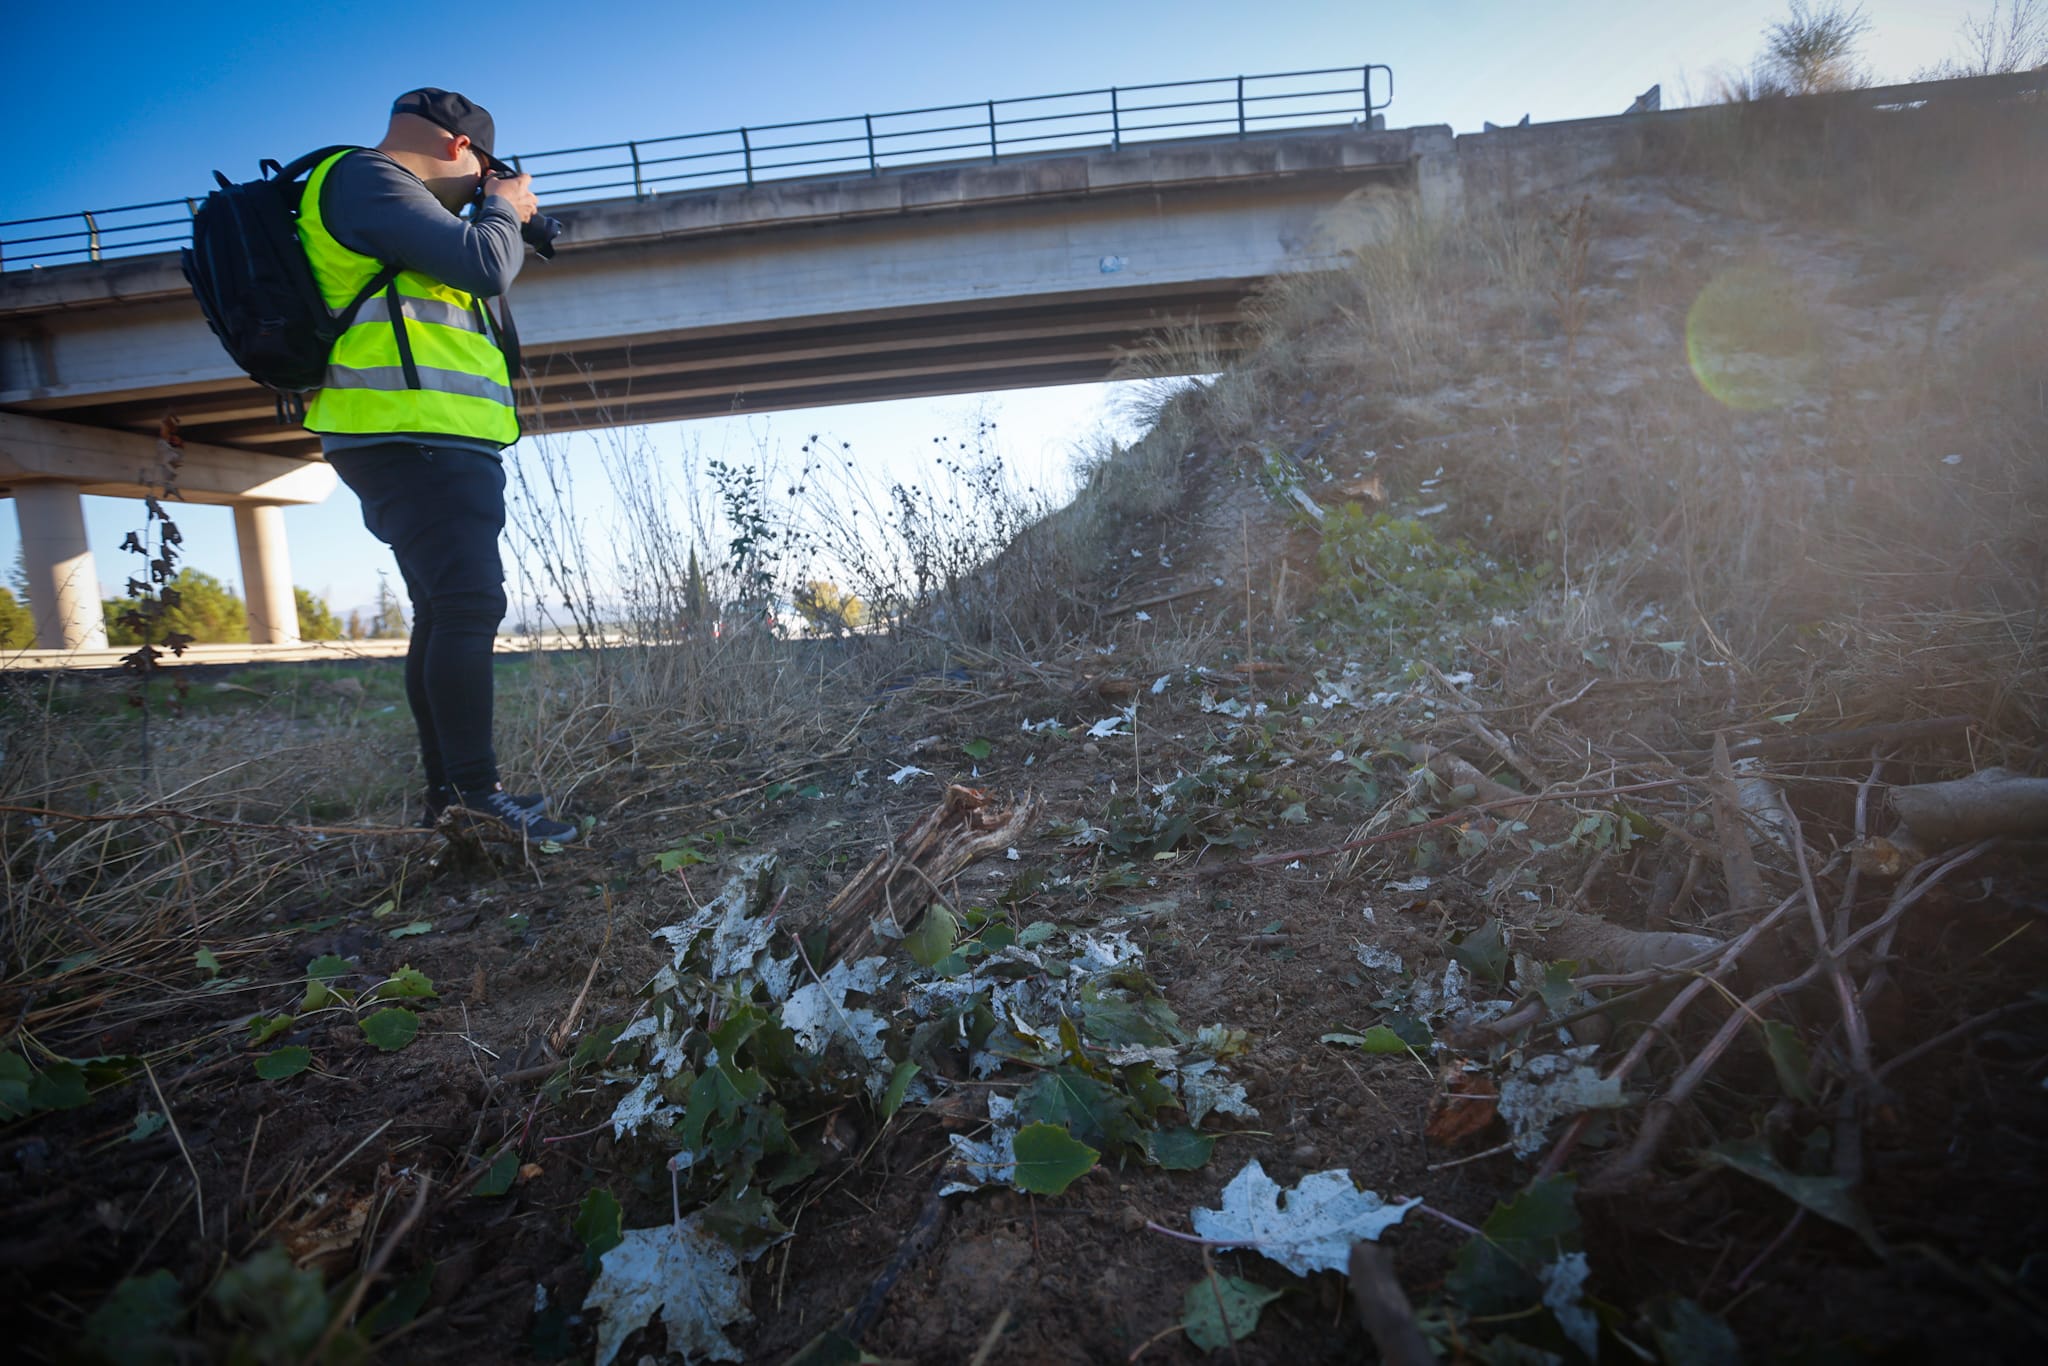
(392, 377)
(463, 385)
(377, 308)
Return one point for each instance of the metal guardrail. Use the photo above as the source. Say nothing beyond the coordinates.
(861, 144)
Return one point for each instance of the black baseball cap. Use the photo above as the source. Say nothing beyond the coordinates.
(457, 114)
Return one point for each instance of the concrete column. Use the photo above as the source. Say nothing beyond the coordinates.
(1439, 181)
(266, 574)
(63, 587)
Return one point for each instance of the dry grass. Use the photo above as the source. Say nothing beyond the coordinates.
(1838, 475)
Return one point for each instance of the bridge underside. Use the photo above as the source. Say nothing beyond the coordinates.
(855, 359)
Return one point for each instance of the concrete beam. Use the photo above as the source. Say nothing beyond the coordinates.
(266, 574)
(63, 585)
(36, 450)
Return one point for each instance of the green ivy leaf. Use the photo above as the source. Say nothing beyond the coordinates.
(1483, 952)
(391, 1029)
(327, 967)
(1830, 1197)
(1179, 1149)
(597, 1225)
(403, 1304)
(671, 859)
(1220, 1310)
(15, 1076)
(1049, 1159)
(207, 963)
(285, 1062)
(1495, 1273)
(1788, 1059)
(594, 1046)
(407, 984)
(977, 750)
(934, 937)
(134, 1322)
(899, 1082)
(264, 1028)
(499, 1176)
(61, 1085)
(1690, 1335)
(417, 927)
(147, 1125)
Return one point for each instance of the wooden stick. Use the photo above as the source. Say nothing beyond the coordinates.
(371, 1272)
(1806, 746)
(1460, 814)
(157, 813)
(1738, 860)
(1383, 1308)
(198, 1194)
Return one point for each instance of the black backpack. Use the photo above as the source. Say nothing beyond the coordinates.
(250, 275)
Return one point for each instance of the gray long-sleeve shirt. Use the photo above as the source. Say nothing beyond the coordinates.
(373, 205)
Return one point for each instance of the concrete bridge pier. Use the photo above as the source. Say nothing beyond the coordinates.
(46, 466)
(63, 586)
(266, 574)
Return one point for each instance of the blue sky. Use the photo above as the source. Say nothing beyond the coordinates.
(114, 103)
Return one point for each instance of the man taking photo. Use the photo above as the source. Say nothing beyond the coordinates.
(417, 405)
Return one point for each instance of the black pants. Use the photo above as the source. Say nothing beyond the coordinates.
(440, 509)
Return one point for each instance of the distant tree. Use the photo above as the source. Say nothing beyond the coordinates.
(1813, 50)
(196, 605)
(355, 629)
(388, 622)
(828, 607)
(696, 597)
(17, 623)
(316, 619)
(2007, 40)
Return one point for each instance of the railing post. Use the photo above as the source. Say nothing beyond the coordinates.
(639, 191)
(1116, 123)
(992, 154)
(1240, 106)
(747, 150)
(869, 120)
(92, 237)
(1366, 91)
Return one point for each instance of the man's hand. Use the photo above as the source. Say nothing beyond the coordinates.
(516, 191)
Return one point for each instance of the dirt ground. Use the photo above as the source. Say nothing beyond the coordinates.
(325, 1160)
(1824, 1146)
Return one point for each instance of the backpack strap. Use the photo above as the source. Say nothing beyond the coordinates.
(396, 307)
(292, 170)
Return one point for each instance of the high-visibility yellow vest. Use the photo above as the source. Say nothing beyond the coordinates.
(437, 371)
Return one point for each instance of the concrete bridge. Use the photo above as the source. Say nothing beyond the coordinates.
(921, 281)
(1006, 272)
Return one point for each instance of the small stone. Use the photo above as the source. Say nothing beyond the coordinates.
(1091, 748)
(1131, 1219)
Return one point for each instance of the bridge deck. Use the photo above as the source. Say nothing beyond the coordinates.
(786, 294)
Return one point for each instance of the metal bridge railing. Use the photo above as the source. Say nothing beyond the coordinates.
(861, 144)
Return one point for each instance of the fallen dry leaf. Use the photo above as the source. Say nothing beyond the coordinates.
(1465, 1104)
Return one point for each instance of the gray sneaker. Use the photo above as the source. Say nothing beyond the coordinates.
(529, 822)
(439, 799)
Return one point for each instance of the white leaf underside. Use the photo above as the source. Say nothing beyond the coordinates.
(1313, 1230)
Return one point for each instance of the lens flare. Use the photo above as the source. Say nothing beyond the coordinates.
(1751, 340)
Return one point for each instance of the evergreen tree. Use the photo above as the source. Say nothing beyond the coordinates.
(316, 620)
(17, 623)
(389, 621)
(196, 605)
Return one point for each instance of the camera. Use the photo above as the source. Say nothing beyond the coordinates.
(540, 232)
